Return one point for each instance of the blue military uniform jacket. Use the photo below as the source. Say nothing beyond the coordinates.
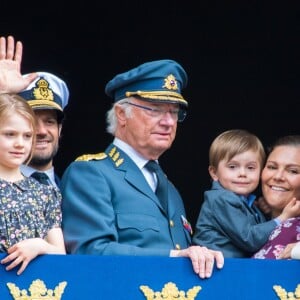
(110, 209)
(227, 223)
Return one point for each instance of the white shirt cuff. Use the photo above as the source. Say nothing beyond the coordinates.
(295, 253)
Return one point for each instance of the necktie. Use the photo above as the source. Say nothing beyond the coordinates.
(41, 177)
(162, 183)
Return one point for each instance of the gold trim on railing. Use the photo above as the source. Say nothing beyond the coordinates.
(38, 291)
(284, 295)
(170, 292)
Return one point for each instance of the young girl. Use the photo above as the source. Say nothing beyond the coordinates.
(30, 212)
(228, 220)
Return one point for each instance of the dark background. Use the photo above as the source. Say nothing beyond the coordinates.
(242, 60)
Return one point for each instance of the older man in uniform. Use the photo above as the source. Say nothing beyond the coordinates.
(118, 202)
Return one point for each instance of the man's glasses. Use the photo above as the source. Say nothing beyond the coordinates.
(177, 114)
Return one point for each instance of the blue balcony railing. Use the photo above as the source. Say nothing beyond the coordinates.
(87, 277)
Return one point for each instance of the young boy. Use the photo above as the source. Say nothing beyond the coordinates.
(229, 221)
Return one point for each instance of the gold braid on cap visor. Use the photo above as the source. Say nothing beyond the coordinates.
(37, 103)
(159, 95)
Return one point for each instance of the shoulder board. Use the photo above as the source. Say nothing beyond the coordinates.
(87, 157)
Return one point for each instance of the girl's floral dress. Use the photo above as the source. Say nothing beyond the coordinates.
(28, 209)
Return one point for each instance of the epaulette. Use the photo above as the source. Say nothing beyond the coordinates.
(87, 157)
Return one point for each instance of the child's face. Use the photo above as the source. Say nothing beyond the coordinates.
(241, 174)
(16, 136)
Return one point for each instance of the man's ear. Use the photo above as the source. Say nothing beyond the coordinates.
(120, 114)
